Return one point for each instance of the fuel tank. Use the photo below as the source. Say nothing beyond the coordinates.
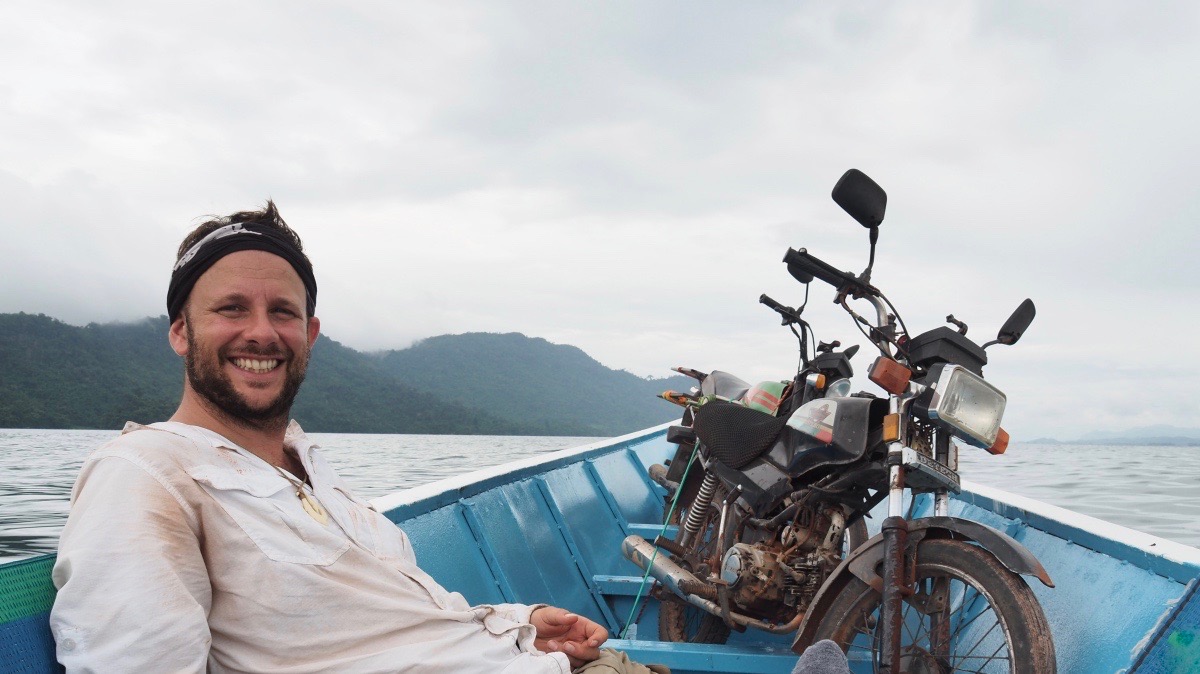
(822, 433)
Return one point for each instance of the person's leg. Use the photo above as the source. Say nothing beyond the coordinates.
(823, 657)
(616, 662)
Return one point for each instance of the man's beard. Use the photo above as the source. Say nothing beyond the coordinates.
(216, 388)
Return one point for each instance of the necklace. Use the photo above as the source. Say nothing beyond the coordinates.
(309, 503)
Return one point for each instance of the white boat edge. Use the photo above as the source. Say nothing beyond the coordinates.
(1148, 543)
(452, 484)
(1068, 520)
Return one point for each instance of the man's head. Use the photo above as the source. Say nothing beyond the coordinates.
(240, 302)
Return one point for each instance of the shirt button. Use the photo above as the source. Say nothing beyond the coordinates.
(68, 644)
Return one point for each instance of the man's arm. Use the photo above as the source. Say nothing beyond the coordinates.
(134, 593)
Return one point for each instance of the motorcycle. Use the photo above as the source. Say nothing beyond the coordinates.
(770, 485)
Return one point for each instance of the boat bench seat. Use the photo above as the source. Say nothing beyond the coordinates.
(730, 658)
(26, 595)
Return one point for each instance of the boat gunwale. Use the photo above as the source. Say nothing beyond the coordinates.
(401, 505)
(1170, 559)
(1178, 561)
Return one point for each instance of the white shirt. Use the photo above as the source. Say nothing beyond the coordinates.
(184, 552)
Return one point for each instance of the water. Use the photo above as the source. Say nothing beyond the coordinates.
(1151, 489)
(38, 467)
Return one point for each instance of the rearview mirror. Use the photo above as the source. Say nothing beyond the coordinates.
(1016, 324)
(861, 197)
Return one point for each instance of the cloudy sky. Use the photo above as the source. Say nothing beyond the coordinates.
(626, 176)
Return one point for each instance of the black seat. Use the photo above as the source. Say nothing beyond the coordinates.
(736, 435)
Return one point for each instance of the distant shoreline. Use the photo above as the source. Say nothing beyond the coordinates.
(1131, 442)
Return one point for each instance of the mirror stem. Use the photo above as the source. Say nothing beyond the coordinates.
(866, 275)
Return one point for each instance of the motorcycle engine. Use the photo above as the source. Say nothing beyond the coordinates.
(765, 584)
(755, 577)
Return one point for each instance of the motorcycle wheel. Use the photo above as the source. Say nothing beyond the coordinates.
(992, 619)
(856, 535)
(685, 623)
(679, 621)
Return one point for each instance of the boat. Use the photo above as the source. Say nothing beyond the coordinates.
(550, 528)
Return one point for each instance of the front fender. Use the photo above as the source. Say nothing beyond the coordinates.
(864, 563)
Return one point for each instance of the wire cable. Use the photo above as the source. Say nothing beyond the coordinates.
(666, 520)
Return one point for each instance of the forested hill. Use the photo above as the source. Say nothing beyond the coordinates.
(54, 375)
(550, 386)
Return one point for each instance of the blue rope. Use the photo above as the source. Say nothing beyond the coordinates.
(650, 565)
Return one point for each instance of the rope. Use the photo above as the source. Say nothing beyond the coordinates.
(650, 565)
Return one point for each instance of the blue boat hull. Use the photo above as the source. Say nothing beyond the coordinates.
(549, 529)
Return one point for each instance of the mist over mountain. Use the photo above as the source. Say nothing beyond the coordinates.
(1139, 436)
(55, 375)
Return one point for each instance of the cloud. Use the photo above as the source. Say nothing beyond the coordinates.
(626, 177)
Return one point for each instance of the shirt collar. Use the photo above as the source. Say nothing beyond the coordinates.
(293, 437)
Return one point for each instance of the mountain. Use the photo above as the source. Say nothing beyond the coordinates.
(1142, 435)
(555, 388)
(55, 375)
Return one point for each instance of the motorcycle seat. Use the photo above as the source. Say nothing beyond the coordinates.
(734, 434)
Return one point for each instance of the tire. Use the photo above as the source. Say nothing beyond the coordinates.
(856, 535)
(995, 622)
(681, 622)
(687, 494)
(685, 623)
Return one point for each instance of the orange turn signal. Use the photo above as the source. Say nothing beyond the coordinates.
(891, 428)
(1000, 444)
(676, 397)
(890, 375)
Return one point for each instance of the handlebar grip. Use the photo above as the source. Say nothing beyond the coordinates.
(763, 299)
(818, 268)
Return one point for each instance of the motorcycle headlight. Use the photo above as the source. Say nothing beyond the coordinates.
(967, 406)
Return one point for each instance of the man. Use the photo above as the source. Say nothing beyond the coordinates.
(221, 540)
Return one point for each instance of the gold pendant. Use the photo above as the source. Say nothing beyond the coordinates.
(313, 508)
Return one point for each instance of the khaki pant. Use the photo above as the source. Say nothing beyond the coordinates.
(616, 662)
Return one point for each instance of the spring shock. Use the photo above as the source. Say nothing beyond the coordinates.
(698, 509)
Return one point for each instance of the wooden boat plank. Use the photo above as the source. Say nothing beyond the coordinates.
(1175, 646)
(586, 516)
(696, 658)
(448, 544)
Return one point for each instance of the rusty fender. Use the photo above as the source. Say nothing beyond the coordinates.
(864, 562)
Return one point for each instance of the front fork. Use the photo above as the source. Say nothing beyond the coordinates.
(896, 582)
(895, 585)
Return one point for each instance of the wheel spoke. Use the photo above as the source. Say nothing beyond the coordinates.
(975, 617)
(985, 635)
(944, 621)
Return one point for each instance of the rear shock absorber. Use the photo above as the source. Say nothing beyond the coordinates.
(698, 510)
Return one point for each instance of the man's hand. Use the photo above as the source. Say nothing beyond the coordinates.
(573, 635)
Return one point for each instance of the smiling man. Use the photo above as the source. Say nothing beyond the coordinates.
(222, 541)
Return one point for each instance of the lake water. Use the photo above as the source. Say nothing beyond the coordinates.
(1151, 489)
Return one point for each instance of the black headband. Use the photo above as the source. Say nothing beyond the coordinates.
(229, 239)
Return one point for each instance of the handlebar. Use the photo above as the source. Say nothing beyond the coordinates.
(821, 269)
(789, 314)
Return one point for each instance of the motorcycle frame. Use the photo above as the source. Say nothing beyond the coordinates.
(898, 564)
(896, 585)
